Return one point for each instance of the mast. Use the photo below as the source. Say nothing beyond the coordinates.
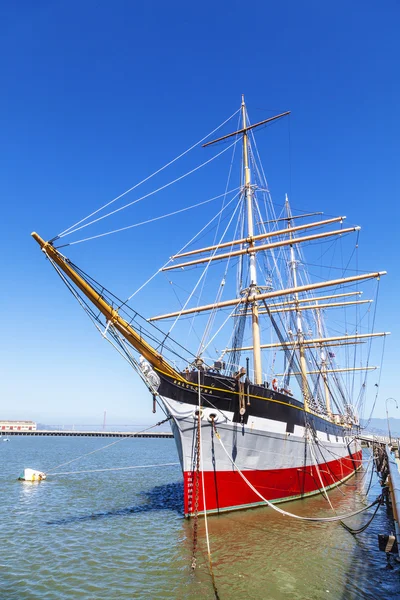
(299, 325)
(253, 291)
(324, 370)
(252, 256)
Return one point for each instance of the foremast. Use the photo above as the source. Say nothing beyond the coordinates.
(257, 363)
(253, 291)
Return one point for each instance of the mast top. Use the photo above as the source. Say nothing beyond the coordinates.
(247, 128)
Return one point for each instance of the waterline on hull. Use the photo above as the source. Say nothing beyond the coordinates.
(217, 511)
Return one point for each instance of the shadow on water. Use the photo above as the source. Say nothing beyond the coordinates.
(368, 576)
(161, 497)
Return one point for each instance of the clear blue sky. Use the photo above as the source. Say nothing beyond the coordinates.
(96, 95)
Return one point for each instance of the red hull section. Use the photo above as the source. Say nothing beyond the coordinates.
(226, 489)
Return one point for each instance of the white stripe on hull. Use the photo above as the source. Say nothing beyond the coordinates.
(261, 444)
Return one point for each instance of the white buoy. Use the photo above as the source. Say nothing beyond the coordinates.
(32, 475)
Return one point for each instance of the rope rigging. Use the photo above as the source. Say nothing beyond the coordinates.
(175, 212)
(146, 178)
(99, 322)
(130, 436)
(184, 247)
(163, 187)
(315, 382)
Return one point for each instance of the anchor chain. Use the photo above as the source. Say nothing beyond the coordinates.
(196, 493)
(215, 428)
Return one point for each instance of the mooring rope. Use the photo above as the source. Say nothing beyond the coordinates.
(284, 512)
(319, 472)
(115, 469)
(107, 445)
(368, 523)
(210, 564)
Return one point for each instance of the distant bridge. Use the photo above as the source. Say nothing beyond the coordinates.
(73, 433)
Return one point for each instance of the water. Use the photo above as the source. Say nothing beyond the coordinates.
(122, 535)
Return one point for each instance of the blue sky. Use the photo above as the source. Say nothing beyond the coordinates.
(95, 96)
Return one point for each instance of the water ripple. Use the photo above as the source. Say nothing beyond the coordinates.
(116, 536)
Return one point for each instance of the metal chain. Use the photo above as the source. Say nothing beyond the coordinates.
(196, 497)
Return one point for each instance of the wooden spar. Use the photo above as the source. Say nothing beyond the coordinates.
(274, 294)
(313, 341)
(245, 128)
(308, 307)
(344, 370)
(304, 216)
(318, 306)
(314, 299)
(312, 346)
(252, 249)
(261, 236)
(273, 305)
(333, 344)
(149, 353)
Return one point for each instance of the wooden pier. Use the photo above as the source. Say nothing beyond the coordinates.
(394, 487)
(106, 434)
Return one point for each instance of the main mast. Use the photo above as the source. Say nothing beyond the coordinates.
(252, 257)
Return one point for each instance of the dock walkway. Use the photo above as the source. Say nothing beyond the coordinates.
(394, 487)
(107, 434)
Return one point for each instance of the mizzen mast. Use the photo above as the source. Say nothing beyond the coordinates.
(299, 325)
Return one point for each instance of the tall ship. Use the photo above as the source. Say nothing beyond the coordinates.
(263, 396)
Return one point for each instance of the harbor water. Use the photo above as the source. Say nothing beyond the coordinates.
(122, 534)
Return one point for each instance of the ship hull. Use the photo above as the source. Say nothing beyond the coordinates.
(280, 465)
(225, 490)
(255, 443)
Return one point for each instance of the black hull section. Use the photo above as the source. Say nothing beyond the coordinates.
(222, 393)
